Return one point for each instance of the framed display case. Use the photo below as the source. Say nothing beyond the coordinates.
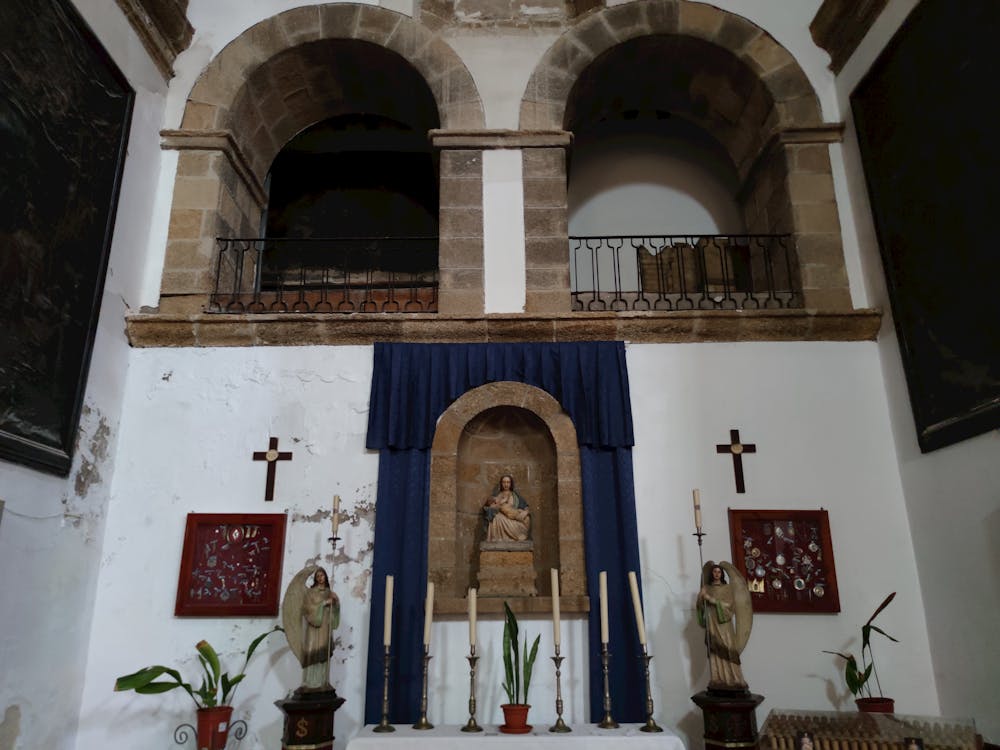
(786, 557)
(231, 564)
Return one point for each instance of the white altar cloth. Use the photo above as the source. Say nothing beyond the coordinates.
(583, 737)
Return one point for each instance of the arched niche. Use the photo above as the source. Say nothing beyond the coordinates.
(516, 429)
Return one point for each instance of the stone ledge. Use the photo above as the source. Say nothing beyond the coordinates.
(521, 605)
(499, 139)
(310, 329)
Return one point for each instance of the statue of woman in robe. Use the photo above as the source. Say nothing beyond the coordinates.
(310, 614)
(506, 514)
(726, 613)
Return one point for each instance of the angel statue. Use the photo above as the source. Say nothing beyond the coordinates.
(309, 615)
(720, 601)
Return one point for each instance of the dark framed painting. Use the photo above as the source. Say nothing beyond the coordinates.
(786, 557)
(931, 165)
(65, 110)
(231, 564)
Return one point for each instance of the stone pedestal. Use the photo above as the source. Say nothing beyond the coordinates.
(507, 569)
(730, 720)
(309, 720)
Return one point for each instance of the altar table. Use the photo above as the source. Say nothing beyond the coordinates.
(583, 737)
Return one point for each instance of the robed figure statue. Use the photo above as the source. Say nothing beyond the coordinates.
(310, 613)
(726, 612)
(506, 513)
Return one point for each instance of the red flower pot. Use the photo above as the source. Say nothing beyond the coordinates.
(213, 727)
(876, 705)
(515, 718)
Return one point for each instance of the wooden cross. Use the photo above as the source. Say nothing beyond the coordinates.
(272, 455)
(737, 448)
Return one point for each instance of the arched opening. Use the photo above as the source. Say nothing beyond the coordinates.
(656, 215)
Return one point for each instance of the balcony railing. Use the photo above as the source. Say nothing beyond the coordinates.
(684, 272)
(343, 275)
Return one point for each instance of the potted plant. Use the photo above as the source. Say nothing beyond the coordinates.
(212, 698)
(515, 711)
(857, 678)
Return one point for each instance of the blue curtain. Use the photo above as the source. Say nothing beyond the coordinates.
(412, 385)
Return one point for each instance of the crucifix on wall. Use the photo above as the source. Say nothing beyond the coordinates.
(737, 449)
(272, 455)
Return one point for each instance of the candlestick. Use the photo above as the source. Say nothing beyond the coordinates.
(637, 606)
(422, 722)
(428, 613)
(602, 580)
(472, 620)
(555, 609)
(471, 725)
(560, 725)
(650, 725)
(387, 631)
(336, 515)
(697, 509)
(384, 725)
(607, 722)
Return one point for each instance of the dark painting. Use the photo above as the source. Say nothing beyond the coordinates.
(64, 115)
(931, 162)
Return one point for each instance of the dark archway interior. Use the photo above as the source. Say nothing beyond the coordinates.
(366, 177)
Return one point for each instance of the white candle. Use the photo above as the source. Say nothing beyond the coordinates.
(697, 509)
(336, 515)
(603, 586)
(555, 607)
(428, 613)
(637, 605)
(472, 617)
(387, 632)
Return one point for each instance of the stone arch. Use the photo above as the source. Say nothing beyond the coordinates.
(259, 91)
(445, 525)
(751, 96)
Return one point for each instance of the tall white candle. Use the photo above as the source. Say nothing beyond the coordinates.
(697, 509)
(387, 630)
(336, 514)
(428, 613)
(472, 617)
(555, 607)
(637, 606)
(602, 579)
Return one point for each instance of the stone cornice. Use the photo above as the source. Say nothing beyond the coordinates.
(487, 139)
(304, 329)
(162, 27)
(217, 140)
(840, 25)
(828, 132)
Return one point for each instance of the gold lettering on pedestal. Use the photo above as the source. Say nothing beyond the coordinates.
(302, 728)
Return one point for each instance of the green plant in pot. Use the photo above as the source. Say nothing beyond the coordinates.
(517, 675)
(858, 677)
(213, 698)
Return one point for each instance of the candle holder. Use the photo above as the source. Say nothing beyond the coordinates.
(471, 725)
(560, 725)
(384, 725)
(607, 722)
(650, 725)
(422, 722)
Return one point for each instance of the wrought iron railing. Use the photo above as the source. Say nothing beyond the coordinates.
(684, 272)
(342, 275)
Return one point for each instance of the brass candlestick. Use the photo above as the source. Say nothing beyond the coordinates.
(650, 726)
(422, 722)
(384, 725)
(471, 725)
(560, 725)
(607, 722)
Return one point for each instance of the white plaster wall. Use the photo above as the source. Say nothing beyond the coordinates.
(952, 495)
(193, 417)
(52, 527)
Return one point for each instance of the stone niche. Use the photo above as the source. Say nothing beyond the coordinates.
(496, 429)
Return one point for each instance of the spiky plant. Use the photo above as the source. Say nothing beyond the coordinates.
(512, 664)
(855, 677)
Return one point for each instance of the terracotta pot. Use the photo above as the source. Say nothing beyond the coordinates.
(876, 705)
(213, 727)
(515, 718)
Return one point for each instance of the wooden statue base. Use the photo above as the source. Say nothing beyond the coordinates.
(309, 720)
(504, 571)
(730, 718)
